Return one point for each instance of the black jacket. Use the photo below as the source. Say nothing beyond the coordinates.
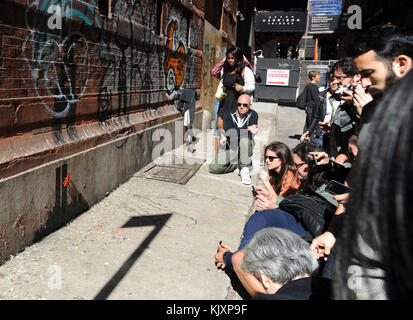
(319, 112)
(187, 101)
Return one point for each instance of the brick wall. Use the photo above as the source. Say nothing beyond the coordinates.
(63, 64)
(85, 66)
(84, 91)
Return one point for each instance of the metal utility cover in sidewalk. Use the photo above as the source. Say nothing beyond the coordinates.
(177, 170)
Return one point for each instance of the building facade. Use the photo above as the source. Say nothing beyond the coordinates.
(83, 86)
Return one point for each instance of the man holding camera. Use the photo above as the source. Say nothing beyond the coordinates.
(382, 56)
(335, 116)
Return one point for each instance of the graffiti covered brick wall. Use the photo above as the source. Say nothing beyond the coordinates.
(64, 63)
(67, 53)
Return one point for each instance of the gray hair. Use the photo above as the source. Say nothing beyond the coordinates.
(280, 254)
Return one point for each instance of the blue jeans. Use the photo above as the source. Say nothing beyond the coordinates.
(268, 218)
(319, 140)
(216, 107)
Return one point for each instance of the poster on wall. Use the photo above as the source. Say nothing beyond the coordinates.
(324, 7)
(277, 77)
(324, 16)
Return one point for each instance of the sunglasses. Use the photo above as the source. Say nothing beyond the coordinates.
(246, 105)
(271, 158)
(299, 165)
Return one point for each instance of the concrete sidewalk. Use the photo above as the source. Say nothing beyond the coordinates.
(150, 239)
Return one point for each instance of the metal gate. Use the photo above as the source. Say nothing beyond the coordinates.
(309, 65)
(273, 91)
(298, 78)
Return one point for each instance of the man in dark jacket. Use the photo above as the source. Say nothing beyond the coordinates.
(323, 110)
(311, 94)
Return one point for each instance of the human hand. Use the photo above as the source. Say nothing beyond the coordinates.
(347, 96)
(322, 158)
(305, 137)
(361, 98)
(238, 87)
(325, 126)
(222, 140)
(322, 245)
(263, 203)
(263, 192)
(342, 198)
(219, 257)
(253, 129)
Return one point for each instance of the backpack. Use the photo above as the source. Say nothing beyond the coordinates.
(312, 210)
(301, 99)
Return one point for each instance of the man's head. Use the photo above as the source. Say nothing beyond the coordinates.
(382, 55)
(277, 256)
(243, 105)
(314, 75)
(333, 83)
(342, 71)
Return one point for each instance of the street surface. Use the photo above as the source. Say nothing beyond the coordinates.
(150, 239)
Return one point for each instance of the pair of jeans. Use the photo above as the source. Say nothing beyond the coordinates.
(268, 218)
(319, 139)
(216, 108)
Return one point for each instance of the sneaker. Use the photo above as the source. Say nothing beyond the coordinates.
(236, 170)
(245, 176)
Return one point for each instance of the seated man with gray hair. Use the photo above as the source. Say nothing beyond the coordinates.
(283, 262)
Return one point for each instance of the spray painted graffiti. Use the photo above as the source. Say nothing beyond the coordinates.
(72, 49)
(174, 63)
(130, 56)
(58, 61)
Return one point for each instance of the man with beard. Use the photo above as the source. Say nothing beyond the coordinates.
(382, 56)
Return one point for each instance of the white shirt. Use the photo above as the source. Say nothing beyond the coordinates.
(331, 107)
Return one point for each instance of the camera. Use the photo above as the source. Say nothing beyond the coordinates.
(340, 91)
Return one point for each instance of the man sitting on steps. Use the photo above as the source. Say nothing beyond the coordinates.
(236, 143)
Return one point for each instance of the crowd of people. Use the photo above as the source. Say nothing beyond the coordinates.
(332, 219)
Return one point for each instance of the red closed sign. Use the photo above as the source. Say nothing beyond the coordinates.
(277, 77)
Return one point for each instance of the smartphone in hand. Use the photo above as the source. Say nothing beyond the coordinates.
(254, 191)
(335, 187)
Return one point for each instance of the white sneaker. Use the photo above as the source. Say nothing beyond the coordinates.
(236, 170)
(245, 176)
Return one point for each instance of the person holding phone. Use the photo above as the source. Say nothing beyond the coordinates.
(313, 179)
(280, 179)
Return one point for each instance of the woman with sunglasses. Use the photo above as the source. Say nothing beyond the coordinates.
(313, 178)
(281, 178)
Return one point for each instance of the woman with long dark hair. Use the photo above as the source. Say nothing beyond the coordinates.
(281, 178)
(237, 78)
(313, 179)
(374, 248)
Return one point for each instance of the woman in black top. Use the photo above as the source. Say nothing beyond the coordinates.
(236, 79)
